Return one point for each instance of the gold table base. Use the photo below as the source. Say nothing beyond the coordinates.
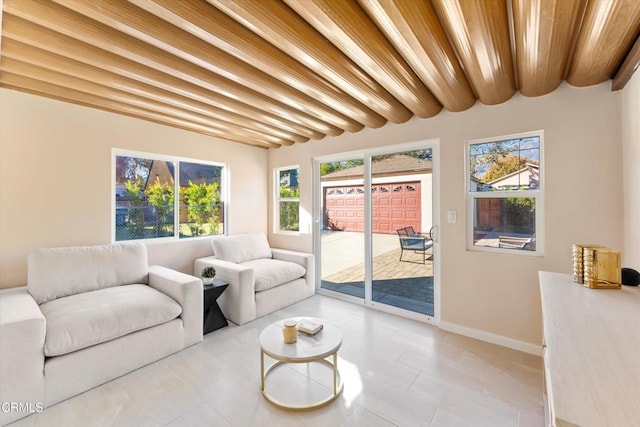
(338, 385)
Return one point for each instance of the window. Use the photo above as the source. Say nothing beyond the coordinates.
(145, 202)
(505, 194)
(287, 216)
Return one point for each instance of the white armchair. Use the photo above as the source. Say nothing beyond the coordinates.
(261, 279)
(88, 315)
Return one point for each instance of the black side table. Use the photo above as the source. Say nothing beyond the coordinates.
(213, 316)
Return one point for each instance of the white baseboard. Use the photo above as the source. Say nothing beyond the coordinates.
(492, 338)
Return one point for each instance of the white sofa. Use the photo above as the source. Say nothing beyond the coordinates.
(88, 315)
(261, 279)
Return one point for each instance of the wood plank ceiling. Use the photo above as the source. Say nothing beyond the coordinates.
(270, 73)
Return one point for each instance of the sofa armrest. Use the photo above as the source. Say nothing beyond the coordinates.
(187, 291)
(22, 333)
(304, 259)
(238, 302)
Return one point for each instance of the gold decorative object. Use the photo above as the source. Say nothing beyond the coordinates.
(578, 263)
(602, 268)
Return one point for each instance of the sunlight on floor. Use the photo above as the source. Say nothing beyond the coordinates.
(351, 379)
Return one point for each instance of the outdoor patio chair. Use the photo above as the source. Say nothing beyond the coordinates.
(416, 242)
(511, 242)
(412, 232)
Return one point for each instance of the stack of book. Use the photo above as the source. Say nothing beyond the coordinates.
(309, 326)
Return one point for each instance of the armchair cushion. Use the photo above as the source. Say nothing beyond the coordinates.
(59, 272)
(186, 290)
(270, 273)
(90, 318)
(241, 248)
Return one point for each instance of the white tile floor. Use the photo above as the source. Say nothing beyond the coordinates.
(396, 372)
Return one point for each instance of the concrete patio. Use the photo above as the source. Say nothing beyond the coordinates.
(407, 284)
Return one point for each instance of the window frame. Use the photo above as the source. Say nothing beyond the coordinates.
(278, 200)
(537, 194)
(224, 198)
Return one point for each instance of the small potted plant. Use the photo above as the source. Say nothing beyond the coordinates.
(208, 273)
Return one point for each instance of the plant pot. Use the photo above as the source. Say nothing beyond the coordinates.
(207, 280)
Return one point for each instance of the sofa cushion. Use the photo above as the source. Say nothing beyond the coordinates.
(59, 272)
(241, 248)
(90, 318)
(270, 273)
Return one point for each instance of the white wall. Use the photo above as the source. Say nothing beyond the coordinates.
(55, 179)
(631, 170)
(496, 293)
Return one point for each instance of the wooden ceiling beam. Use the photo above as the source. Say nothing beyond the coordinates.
(479, 31)
(51, 61)
(75, 26)
(124, 98)
(36, 37)
(349, 28)
(608, 30)
(284, 29)
(277, 72)
(545, 33)
(49, 90)
(629, 66)
(217, 29)
(415, 31)
(133, 22)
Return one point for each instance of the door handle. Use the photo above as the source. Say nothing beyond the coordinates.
(435, 234)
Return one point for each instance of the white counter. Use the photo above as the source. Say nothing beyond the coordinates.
(592, 353)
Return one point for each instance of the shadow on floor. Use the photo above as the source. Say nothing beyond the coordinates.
(414, 293)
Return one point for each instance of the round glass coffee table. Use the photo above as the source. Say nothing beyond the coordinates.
(308, 348)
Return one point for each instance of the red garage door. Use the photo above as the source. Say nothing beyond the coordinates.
(395, 206)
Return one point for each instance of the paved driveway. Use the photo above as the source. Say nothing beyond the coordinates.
(343, 260)
(407, 285)
(344, 249)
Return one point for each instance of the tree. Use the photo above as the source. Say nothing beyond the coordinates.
(289, 210)
(484, 156)
(289, 192)
(133, 168)
(520, 213)
(135, 196)
(161, 197)
(203, 206)
(327, 168)
(504, 165)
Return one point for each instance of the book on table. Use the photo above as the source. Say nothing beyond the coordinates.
(309, 327)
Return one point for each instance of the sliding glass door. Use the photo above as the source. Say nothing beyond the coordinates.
(376, 235)
(342, 228)
(402, 239)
